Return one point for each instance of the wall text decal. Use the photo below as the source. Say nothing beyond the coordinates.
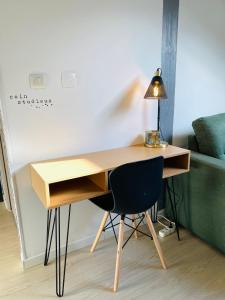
(33, 102)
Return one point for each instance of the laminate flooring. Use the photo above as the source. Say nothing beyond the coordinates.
(195, 270)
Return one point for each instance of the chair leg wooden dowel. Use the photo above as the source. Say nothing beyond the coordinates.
(119, 255)
(134, 224)
(155, 239)
(102, 225)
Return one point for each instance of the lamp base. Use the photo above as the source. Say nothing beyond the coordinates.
(161, 144)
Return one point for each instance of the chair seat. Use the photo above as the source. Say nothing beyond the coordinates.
(105, 202)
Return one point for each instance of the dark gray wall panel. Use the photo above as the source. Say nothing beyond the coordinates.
(169, 50)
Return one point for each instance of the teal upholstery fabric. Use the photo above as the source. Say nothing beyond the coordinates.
(210, 135)
(200, 197)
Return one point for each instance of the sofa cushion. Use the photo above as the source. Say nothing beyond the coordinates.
(210, 134)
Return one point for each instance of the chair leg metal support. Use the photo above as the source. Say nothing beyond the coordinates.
(60, 277)
(134, 224)
(173, 207)
(155, 212)
(109, 224)
(135, 229)
(113, 227)
(49, 235)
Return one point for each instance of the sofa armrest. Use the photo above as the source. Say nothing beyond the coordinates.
(199, 159)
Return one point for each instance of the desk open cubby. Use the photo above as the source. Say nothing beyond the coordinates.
(176, 165)
(68, 191)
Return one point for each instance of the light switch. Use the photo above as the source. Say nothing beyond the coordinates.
(37, 80)
(69, 79)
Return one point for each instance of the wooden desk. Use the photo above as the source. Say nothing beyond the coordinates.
(67, 180)
(63, 181)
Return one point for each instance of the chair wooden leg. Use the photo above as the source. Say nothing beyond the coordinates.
(134, 224)
(155, 239)
(119, 254)
(102, 225)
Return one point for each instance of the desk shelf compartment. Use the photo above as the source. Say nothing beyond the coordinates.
(77, 189)
(176, 165)
(72, 190)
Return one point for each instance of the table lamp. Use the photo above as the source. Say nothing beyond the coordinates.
(157, 91)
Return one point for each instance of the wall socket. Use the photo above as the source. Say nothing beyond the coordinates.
(69, 79)
(38, 80)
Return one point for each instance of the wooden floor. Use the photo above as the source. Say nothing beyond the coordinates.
(196, 271)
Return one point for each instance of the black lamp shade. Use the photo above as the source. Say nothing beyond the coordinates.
(156, 89)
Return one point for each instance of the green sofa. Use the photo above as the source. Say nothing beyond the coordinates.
(200, 194)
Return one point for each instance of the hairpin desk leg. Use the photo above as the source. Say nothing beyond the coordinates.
(49, 235)
(60, 277)
(173, 206)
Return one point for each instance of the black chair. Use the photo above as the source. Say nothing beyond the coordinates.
(135, 188)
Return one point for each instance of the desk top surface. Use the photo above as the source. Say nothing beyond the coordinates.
(91, 163)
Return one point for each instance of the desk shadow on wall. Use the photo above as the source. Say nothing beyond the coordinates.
(126, 109)
(128, 98)
(122, 103)
(131, 101)
(139, 139)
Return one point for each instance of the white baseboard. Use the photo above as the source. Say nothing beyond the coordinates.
(75, 245)
(39, 259)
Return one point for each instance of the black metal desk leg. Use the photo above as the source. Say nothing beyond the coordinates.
(49, 234)
(173, 206)
(60, 277)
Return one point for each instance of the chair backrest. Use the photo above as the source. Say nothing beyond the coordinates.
(136, 186)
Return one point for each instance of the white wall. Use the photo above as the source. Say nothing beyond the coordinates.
(200, 88)
(114, 46)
